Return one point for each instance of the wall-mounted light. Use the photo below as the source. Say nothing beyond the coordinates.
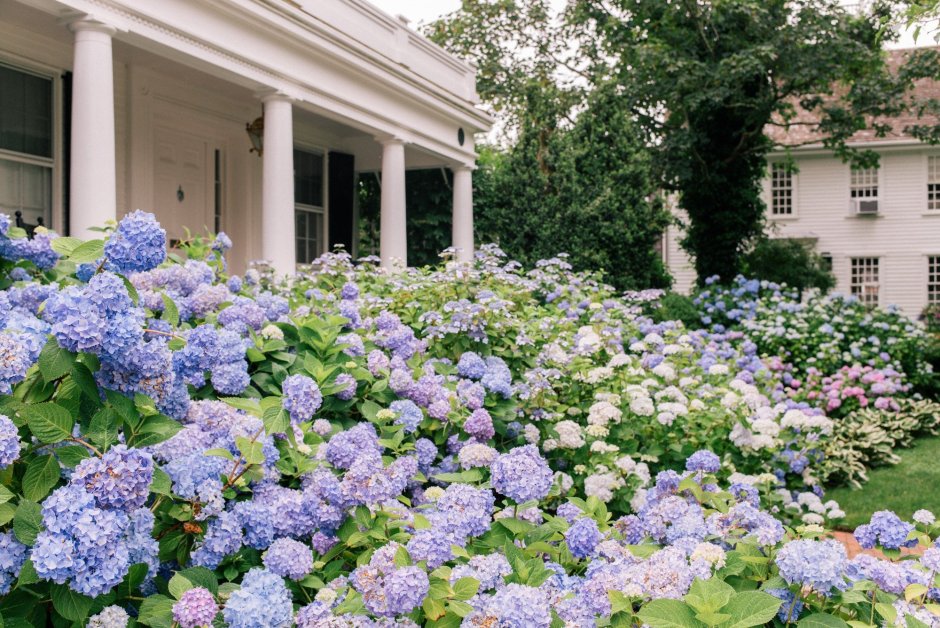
(255, 132)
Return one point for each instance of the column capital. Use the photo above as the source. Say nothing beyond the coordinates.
(88, 23)
(463, 167)
(390, 140)
(273, 95)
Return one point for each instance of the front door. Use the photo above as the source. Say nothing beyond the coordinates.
(184, 182)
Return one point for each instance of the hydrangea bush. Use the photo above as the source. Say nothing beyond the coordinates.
(464, 445)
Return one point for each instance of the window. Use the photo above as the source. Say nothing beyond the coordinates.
(26, 144)
(864, 280)
(781, 190)
(864, 184)
(933, 183)
(309, 169)
(933, 279)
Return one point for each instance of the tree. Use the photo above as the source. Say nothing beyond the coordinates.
(705, 79)
(573, 174)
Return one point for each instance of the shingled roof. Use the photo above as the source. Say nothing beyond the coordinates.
(803, 129)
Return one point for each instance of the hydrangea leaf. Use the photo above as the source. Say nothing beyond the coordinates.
(178, 585)
(156, 611)
(822, 620)
(669, 614)
(750, 608)
(103, 430)
(171, 313)
(466, 588)
(49, 422)
(41, 475)
(70, 604)
(202, 577)
(54, 361)
(87, 252)
(71, 455)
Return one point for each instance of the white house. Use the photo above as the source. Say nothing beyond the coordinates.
(112, 105)
(878, 228)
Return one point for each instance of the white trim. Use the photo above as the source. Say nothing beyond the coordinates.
(794, 194)
(309, 147)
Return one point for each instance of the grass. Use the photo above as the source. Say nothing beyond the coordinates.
(908, 486)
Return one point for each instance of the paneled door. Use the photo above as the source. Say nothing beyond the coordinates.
(184, 182)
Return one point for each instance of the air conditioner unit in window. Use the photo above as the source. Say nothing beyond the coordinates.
(865, 207)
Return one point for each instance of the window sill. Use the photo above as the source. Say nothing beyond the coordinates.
(864, 217)
(932, 213)
(788, 218)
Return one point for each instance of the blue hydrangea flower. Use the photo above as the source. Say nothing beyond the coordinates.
(885, 529)
(289, 559)
(521, 475)
(479, 425)
(582, 537)
(386, 589)
(12, 557)
(119, 479)
(302, 397)
(263, 601)
(9, 442)
(408, 414)
(138, 244)
(343, 448)
(471, 366)
(820, 565)
(349, 383)
(703, 460)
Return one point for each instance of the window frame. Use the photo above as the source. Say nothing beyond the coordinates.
(323, 211)
(861, 295)
(932, 211)
(56, 163)
(793, 192)
(934, 274)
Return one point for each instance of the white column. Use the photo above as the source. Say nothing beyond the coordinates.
(93, 178)
(463, 213)
(278, 245)
(393, 231)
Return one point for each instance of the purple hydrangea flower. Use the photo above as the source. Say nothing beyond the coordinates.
(12, 557)
(263, 601)
(521, 475)
(302, 397)
(289, 559)
(196, 607)
(479, 425)
(703, 460)
(885, 529)
(9, 442)
(409, 414)
(119, 479)
(820, 565)
(582, 537)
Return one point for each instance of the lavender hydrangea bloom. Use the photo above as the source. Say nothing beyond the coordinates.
(343, 449)
(582, 537)
(408, 414)
(289, 559)
(263, 601)
(885, 529)
(12, 557)
(820, 565)
(9, 442)
(513, 606)
(471, 366)
(14, 361)
(521, 475)
(196, 607)
(138, 244)
(479, 425)
(349, 383)
(703, 460)
(388, 590)
(302, 397)
(119, 479)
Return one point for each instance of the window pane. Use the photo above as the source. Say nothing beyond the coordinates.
(26, 188)
(25, 113)
(308, 178)
(309, 235)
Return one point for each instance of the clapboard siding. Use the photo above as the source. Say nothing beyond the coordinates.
(902, 236)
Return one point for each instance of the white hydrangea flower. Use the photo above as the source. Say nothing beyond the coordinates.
(621, 359)
(601, 447)
(709, 553)
(625, 464)
(550, 444)
(602, 486)
(665, 371)
(604, 412)
(718, 369)
(569, 435)
(596, 431)
(272, 332)
(642, 406)
(812, 518)
(666, 418)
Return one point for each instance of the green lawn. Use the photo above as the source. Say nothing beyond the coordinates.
(908, 486)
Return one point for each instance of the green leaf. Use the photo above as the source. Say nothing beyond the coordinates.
(179, 585)
(219, 452)
(48, 422)
(86, 252)
(202, 577)
(54, 361)
(27, 522)
(64, 245)
(251, 406)
(433, 609)
(466, 588)
(162, 484)
(276, 421)
(5, 494)
(469, 476)
(708, 596)
(41, 475)
(71, 455)
(85, 380)
(751, 608)
(822, 620)
(156, 611)
(171, 313)
(7, 511)
(70, 604)
(669, 614)
(103, 430)
(28, 574)
(250, 450)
